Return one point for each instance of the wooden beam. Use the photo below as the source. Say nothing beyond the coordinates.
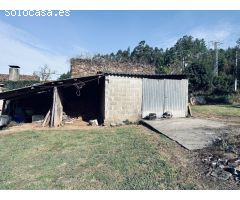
(46, 119)
(57, 109)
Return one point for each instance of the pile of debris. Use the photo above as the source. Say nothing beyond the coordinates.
(224, 162)
(66, 119)
(153, 116)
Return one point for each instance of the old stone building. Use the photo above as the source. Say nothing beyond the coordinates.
(88, 67)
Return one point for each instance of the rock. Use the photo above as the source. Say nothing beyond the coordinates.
(37, 118)
(238, 168)
(198, 100)
(208, 160)
(237, 178)
(66, 119)
(120, 124)
(231, 149)
(93, 122)
(222, 166)
(4, 120)
(127, 122)
(221, 174)
(151, 116)
(229, 156)
(233, 162)
(231, 170)
(113, 124)
(209, 172)
(222, 161)
(214, 164)
(167, 115)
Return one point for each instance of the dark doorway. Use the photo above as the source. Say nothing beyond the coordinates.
(88, 102)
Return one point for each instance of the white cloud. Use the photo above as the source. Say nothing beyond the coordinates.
(21, 48)
(168, 42)
(223, 32)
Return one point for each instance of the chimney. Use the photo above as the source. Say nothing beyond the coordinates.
(13, 73)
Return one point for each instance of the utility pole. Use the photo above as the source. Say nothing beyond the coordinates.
(236, 71)
(183, 62)
(216, 44)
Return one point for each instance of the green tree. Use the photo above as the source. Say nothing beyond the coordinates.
(65, 76)
(199, 78)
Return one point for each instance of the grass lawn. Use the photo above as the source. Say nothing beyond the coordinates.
(217, 110)
(130, 157)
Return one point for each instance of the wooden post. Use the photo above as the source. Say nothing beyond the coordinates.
(189, 110)
(57, 109)
(46, 119)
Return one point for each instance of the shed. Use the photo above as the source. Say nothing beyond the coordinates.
(107, 97)
(134, 96)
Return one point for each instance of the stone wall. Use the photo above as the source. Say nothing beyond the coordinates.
(123, 99)
(86, 67)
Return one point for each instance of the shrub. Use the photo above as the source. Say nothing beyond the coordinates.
(11, 85)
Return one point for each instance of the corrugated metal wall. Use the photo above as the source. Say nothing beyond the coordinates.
(153, 97)
(160, 96)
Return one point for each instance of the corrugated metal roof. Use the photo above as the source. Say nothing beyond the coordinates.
(45, 86)
(152, 76)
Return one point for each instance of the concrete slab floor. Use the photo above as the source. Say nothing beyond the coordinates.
(191, 133)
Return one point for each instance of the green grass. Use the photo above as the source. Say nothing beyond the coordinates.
(217, 110)
(109, 158)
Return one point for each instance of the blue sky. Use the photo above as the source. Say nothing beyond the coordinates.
(31, 42)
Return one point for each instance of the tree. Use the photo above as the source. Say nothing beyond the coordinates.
(223, 84)
(188, 55)
(199, 78)
(186, 51)
(65, 76)
(45, 73)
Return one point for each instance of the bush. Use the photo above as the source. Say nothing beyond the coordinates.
(223, 85)
(12, 85)
(235, 97)
(65, 76)
(215, 99)
(199, 78)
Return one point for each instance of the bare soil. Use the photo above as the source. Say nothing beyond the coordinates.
(230, 137)
(228, 119)
(77, 123)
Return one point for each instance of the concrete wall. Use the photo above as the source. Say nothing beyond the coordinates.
(123, 99)
(86, 67)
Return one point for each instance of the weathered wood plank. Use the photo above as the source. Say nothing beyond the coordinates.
(46, 119)
(57, 109)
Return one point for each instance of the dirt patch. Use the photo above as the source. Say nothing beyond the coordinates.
(228, 119)
(219, 163)
(76, 123)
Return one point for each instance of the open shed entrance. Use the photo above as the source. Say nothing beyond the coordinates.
(25, 108)
(80, 97)
(87, 102)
